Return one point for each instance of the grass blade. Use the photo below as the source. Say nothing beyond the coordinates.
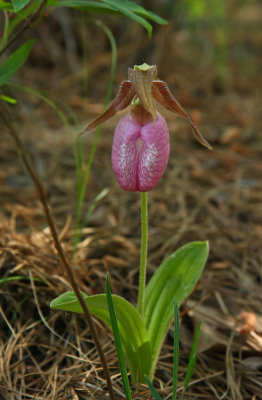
(189, 371)
(152, 388)
(176, 349)
(118, 343)
(192, 359)
(94, 204)
(19, 278)
(195, 340)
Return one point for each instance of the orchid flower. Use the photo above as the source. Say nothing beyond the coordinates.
(139, 157)
(141, 147)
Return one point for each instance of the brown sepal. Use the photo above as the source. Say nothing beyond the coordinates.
(142, 82)
(124, 98)
(164, 97)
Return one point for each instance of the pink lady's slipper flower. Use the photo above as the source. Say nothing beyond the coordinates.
(141, 141)
(140, 150)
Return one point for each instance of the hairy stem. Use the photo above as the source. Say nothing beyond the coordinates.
(143, 256)
(42, 196)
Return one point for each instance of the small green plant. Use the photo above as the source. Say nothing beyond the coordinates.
(139, 157)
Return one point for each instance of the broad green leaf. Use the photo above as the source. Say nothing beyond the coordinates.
(4, 5)
(15, 61)
(19, 4)
(118, 342)
(176, 350)
(133, 333)
(176, 277)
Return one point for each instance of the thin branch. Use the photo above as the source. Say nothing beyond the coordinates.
(36, 15)
(42, 196)
(16, 35)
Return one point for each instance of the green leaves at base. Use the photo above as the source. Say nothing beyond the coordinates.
(15, 61)
(176, 277)
(133, 333)
(142, 340)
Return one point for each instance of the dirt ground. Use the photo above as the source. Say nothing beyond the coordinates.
(204, 195)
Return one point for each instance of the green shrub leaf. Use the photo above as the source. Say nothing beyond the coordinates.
(176, 277)
(4, 5)
(115, 7)
(15, 61)
(137, 9)
(19, 4)
(127, 10)
(91, 6)
(133, 333)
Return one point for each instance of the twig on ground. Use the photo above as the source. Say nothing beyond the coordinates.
(42, 196)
